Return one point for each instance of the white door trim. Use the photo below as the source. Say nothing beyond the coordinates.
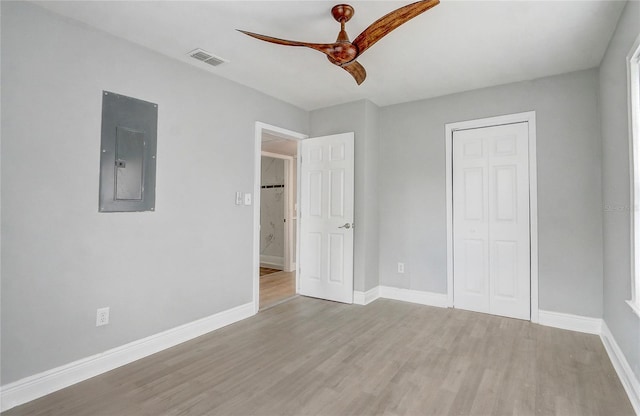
(289, 210)
(530, 118)
(280, 132)
(276, 155)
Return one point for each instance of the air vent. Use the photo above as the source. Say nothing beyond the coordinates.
(206, 57)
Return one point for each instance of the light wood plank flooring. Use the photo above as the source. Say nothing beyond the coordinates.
(276, 287)
(266, 270)
(309, 356)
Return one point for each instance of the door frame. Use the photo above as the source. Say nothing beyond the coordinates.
(530, 118)
(288, 261)
(261, 128)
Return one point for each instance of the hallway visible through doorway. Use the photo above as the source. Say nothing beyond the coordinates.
(276, 287)
(278, 218)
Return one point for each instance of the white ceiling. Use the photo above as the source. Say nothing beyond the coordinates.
(456, 46)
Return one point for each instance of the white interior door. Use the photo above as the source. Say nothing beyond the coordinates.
(326, 217)
(491, 225)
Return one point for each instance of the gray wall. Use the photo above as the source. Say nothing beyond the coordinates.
(616, 175)
(371, 196)
(61, 259)
(412, 186)
(360, 117)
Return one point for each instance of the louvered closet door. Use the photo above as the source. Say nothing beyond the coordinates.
(491, 220)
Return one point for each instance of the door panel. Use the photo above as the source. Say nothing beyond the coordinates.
(326, 205)
(509, 256)
(474, 261)
(337, 152)
(336, 258)
(471, 233)
(315, 193)
(474, 194)
(313, 247)
(336, 193)
(491, 220)
(506, 192)
(506, 259)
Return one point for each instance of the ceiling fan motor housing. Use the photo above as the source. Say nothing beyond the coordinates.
(342, 53)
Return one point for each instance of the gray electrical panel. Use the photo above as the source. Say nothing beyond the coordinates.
(128, 154)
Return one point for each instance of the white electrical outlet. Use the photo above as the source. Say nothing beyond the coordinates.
(400, 267)
(247, 199)
(102, 316)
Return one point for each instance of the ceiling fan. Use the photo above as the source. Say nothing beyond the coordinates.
(343, 52)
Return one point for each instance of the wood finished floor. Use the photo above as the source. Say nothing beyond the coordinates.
(266, 270)
(309, 356)
(276, 287)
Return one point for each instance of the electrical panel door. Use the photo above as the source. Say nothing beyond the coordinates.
(128, 154)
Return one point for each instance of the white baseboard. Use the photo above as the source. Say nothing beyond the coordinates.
(571, 322)
(274, 262)
(621, 365)
(38, 385)
(407, 295)
(414, 296)
(358, 298)
(365, 298)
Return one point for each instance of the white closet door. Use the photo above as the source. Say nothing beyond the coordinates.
(470, 221)
(492, 271)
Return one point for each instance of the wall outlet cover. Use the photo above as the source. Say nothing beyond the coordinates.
(102, 316)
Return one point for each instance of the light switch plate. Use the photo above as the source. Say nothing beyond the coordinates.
(247, 199)
(238, 198)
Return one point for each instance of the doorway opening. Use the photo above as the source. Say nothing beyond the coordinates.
(278, 223)
(275, 216)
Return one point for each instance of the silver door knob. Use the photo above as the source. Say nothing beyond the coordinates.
(346, 225)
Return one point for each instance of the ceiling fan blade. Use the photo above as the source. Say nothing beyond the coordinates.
(381, 27)
(322, 47)
(357, 71)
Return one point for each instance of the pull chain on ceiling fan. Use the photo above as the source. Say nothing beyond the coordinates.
(343, 52)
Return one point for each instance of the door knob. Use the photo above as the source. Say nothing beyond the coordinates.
(346, 225)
